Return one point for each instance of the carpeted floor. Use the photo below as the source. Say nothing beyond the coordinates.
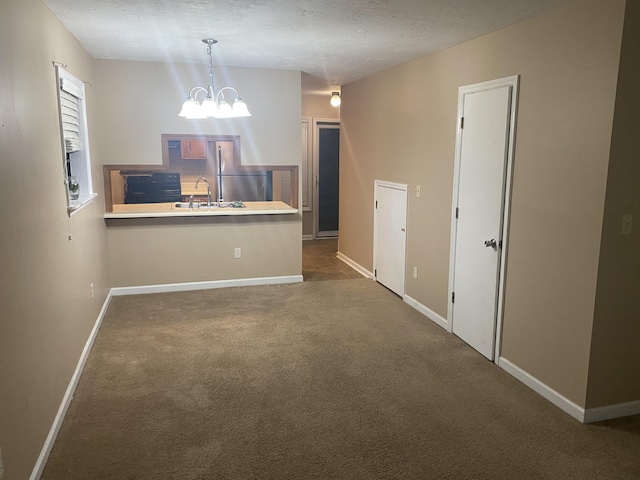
(317, 380)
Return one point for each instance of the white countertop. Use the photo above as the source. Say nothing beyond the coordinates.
(154, 210)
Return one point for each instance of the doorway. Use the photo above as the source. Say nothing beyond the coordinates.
(482, 184)
(327, 177)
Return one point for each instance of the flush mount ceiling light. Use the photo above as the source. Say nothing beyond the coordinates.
(214, 104)
(335, 99)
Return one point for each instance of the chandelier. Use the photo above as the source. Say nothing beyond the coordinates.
(214, 104)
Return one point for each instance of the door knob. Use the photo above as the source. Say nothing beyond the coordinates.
(490, 243)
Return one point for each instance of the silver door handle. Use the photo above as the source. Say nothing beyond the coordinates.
(491, 243)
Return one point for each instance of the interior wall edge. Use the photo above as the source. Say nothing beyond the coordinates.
(614, 361)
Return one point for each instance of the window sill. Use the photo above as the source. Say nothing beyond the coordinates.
(82, 201)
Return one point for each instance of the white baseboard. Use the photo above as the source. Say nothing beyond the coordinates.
(68, 396)
(542, 389)
(182, 287)
(307, 237)
(357, 267)
(427, 312)
(589, 415)
(608, 412)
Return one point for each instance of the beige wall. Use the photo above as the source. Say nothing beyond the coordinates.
(307, 223)
(568, 62)
(165, 251)
(615, 357)
(315, 106)
(47, 309)
(141, 100)
(318, 106)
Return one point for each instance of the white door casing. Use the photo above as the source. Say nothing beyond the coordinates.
(484, 149)
(390, 236)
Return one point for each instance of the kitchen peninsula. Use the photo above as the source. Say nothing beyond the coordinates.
(162, 246)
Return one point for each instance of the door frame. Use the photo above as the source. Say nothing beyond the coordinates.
(513, 82)
(319, 123)
(403, 188)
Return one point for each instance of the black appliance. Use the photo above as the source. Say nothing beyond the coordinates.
(155, 188)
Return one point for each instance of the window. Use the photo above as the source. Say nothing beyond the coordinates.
(75, 141)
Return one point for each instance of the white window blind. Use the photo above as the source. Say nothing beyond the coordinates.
(70, 117)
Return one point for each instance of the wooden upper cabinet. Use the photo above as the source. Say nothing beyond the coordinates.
(193, 149)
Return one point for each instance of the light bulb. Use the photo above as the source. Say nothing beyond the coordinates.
(335, 99)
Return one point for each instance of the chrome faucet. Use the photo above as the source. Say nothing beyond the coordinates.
(208, 189)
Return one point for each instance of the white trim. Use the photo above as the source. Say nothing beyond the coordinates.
(542, 389)
(307, 237)
(182, 287)
(599, 414)
(397, 186)
(357, 267)
(68, 396)
(306, 165)
(513, 82)
(426, 311)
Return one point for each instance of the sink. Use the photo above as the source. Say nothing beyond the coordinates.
(195, 205)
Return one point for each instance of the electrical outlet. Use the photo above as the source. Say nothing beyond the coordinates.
(237, 252)
(415, 272)
(93, 294)
(627, 223)
(1, 465)
(418, 191)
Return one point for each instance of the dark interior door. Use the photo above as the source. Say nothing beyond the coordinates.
(328, 180)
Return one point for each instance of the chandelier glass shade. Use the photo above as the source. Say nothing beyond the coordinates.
(213, 103)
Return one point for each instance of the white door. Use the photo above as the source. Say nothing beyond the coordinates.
(390, 236)
(483, 150)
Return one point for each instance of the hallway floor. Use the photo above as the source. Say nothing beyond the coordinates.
(319, 261)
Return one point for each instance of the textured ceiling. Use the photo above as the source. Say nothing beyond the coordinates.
(333, 41)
